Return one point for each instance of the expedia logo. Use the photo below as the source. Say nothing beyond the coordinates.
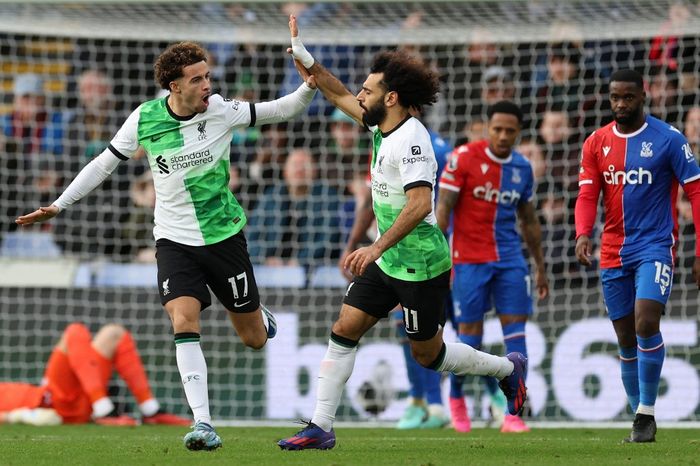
(621, 177)
(407, 160)
(162, 166)
(489, 194)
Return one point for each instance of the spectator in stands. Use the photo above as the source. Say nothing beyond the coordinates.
(297, 220)
(534, 154)
(74, 387)
(90, 128)
(663, 95)
(31, 149)
(473, 130)
(466, 71)
(556, 194)
(138, 229)
(561, 91)
(265, 168)
(36, 128)
(496, 85)
(347, 152)
(691, 128)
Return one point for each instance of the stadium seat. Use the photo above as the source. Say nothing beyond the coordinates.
(29, 244)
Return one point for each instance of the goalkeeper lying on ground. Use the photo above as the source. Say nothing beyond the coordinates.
(74, 387)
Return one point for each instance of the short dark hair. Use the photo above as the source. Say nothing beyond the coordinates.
(628, 76)
(169, 65)
(413, 81)
(505, 106)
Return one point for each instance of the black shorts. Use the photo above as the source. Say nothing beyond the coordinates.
(423, 303)
(224, 266)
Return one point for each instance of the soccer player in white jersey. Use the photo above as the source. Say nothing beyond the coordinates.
(198, 222)
(409, 264)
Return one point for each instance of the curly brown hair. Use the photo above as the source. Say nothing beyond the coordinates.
(169, 65)
(413, 81)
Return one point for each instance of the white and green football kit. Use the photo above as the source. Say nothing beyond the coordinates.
(189, 158)
(415, 272)
(403, 159)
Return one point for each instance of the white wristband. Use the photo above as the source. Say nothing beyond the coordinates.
(300, 53)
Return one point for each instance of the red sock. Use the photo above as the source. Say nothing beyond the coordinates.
(90, 367)
(129, 366)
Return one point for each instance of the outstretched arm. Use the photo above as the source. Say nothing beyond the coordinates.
(331, 87)
(532, 232)
(88, 179)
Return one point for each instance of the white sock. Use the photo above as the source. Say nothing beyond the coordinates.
(149, 407)
(436, 410)
(193, 371)
(643, 409)
(335, 371)
(102, 407)
(462, 359)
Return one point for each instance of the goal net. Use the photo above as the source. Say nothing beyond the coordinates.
(71, 73)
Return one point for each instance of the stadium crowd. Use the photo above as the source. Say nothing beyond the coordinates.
(45, 136)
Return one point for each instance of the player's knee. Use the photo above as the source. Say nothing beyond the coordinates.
(646, 327)
(422, 356)
(184, 322)
(111, 332)
(254, 340)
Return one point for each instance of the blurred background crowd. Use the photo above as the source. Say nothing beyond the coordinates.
(65, 98)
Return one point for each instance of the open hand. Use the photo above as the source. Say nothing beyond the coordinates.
(40, 215)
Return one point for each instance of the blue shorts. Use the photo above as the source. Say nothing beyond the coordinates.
(476, 288)
(622, 286)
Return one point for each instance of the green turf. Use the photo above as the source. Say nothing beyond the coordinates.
(97, 445)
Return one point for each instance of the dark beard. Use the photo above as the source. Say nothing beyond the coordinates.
(630, 118)
(374, 115)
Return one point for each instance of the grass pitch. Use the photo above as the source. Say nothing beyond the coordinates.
(156, 445)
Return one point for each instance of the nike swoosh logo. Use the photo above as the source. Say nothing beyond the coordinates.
(157, 137)
(240, 305)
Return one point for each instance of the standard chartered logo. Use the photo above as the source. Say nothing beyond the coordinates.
(489, 194)
(380, 189)
(638, 176)
(190, 160)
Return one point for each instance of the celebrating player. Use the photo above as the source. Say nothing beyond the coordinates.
(74, 389)
(486, 183)
(198, 222)
(637, 161)
(409, 263)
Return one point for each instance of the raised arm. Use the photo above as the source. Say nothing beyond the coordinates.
(286, 107)
(532, 233)
(331, 87)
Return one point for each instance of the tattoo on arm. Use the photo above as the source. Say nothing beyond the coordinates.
(446, 202)
(532, 231)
